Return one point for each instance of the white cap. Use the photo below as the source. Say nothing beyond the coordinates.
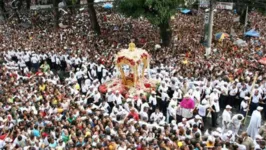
(173, 122)
(204, 102)
(211, 138)
(187, 96)
(77, 69)
(180, 125)
(228, 107)
(229, 133)
(207, 96)
(184, 119)
(219, 130)
(116, 91)
(259, 108)
(153, 92)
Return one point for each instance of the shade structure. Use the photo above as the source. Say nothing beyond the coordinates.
(221, 36)
(186, 11)
(108, 6)
(263, 61)
(252, 33)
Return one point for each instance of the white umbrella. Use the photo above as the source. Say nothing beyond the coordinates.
(240, 43)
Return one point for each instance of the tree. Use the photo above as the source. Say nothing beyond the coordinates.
(158, 12)
(93, 18)
(56, 13)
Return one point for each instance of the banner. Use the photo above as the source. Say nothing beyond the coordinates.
(219, 5)
(224, 5)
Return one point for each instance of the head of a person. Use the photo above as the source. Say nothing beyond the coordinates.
(239, 117)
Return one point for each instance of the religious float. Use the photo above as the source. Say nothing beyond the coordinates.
(133, 77)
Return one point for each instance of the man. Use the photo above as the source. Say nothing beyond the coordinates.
(247, 141)
(256, 97)
(226, 117)
(228, 137)
(157, 116)
(255, 123)
(215, 109)
(244, 106)
(202, 110)
(153, 101)
(171, 113)
(236, 123)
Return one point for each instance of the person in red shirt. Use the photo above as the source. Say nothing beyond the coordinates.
(133, 114)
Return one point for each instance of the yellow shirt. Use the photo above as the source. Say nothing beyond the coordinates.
(42, 87)
(77, 87)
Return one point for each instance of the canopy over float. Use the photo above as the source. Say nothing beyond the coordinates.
(137, 59)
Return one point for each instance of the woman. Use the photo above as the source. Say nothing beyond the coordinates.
(187, 106)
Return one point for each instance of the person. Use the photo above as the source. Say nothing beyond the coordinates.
(244, 106)
(203, 110)
(187, 106)
(255, 99)
(255, 123)
(247, 141)
(226, 117)
(215, 109)
(157, 116)
(153, 101)
(236, 123)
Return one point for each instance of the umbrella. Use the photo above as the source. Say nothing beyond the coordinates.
(263, 61)
(252, 33)
(240, 43)
(186, 11)
(108, 6)
(221, 36)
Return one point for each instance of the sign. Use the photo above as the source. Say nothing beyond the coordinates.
(224, 5)
(204, 3)
(219, 5)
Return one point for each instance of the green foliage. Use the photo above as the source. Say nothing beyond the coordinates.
(156, 11)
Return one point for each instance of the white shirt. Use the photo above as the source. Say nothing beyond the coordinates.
(235, 121)
(203, 110)
(157, 117)
(226, 116)
(152, 100)
(255, 99)
(243, 106)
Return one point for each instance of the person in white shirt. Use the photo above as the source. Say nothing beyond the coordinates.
(228, 137)
(157, 116)
(223, 100)
(215, 109)
(153, 101)
(236, 123)
(232, 95)
(144, 114)
(164, 101)
(226, 117)
(117, 98)
(203, 110)
(244, 106)
(255, 99)
(171, 113)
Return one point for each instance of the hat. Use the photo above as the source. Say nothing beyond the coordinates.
(153, 92)
(215, 133)
(229, 133)
(173, 122)
(180, 125)
(77, 69)
(246, 98)
(219, 130)
(228, 107)
(116, 91)
(204, 102)
(197, 117)
(259, 108)
(184, 119)
(207, 96)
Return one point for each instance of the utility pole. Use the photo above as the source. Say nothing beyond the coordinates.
(211, 14)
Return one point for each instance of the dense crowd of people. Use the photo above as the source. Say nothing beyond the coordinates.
(50, 80)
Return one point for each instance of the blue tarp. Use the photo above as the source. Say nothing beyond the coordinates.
(108, 6)
(186, 11)
(252, 33)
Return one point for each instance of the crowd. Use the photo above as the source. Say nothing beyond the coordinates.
(50, 79)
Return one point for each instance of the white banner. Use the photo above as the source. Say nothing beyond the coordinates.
(224, 5)
(219, 5)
